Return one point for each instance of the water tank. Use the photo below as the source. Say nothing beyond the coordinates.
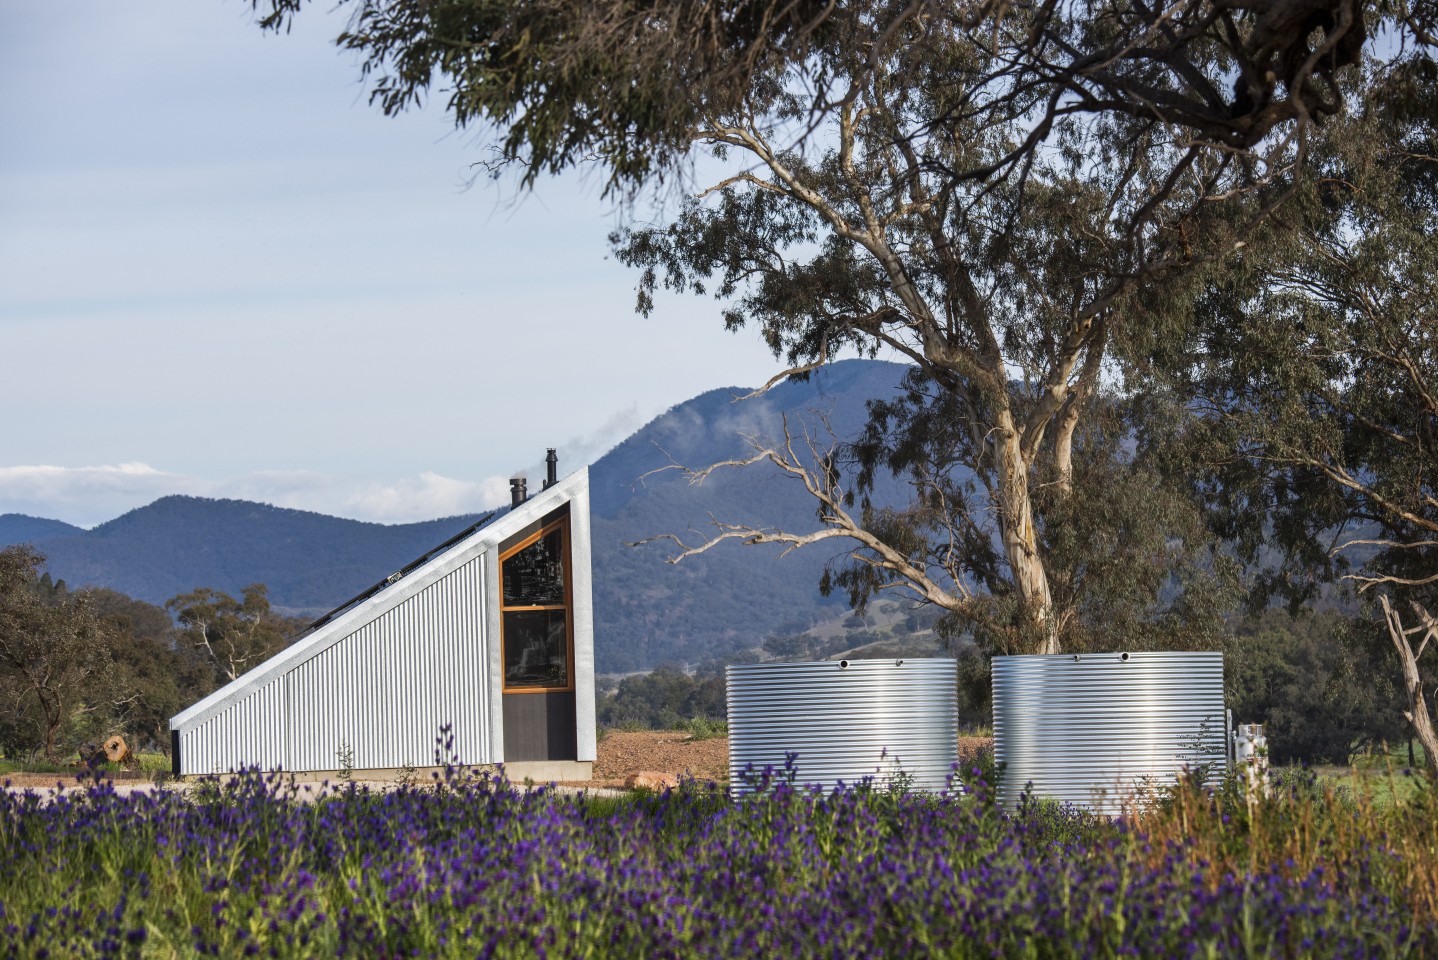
(1103, 731)
(890, 720)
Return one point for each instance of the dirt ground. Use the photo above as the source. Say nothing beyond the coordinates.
(22, 781)
(620, 754)
(659, 751)
(673, 752)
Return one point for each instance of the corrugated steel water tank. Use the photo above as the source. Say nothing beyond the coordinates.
(1099, 730)
(890, 720)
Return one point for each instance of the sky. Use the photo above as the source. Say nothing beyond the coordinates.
(223, 273)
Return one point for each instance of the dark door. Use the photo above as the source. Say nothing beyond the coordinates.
(539, 726)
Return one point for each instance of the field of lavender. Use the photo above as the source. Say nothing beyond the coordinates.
(474, 867)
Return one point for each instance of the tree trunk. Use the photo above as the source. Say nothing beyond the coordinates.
(1417, 712)
(53, 719)
(1064, 451)
(1020, 537)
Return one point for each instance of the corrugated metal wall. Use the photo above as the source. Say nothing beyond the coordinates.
(1097, 730)
(382, 692)
(846, 720)
(252, 728)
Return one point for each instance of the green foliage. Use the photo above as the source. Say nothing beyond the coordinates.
(1126, 552)
(345, 762)
(566, 83)
(55, 664)
(975, 682)
(1323, 684)
(10, 765)
(155, 676)
(980, 775)
(789, 647)
(666, 699)
(78, 666)
(702, 728)
(981, 201)
(1319, 375)
(1394, 782)
(1029, 517)
(1322, 360)
(234, 635)
(630, 85)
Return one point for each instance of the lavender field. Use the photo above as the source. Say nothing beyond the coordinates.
(473, 867)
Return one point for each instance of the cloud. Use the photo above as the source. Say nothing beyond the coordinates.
(619, 426)
(39, 477)
(424, 497)
(584, 448)
(89, 495)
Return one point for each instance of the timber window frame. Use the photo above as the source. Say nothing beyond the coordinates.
(511, 614)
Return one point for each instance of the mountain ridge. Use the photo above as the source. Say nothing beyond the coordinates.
(647, 611)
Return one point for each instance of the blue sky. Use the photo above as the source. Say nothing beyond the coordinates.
(223, 273)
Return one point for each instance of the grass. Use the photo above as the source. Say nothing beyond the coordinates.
(152, 765)
(702, 728)
(35, 766)
(698, 728)
(1384, 776)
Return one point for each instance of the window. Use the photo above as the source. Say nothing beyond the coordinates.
(535, 613)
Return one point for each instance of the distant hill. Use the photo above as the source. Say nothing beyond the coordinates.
(646, 610)
(310, 561)
(18, 528)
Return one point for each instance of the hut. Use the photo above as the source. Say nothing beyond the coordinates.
(488, 637)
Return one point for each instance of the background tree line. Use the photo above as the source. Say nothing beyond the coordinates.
(77, 666)
(1325, 682)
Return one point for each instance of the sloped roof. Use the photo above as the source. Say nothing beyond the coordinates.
(390, 593)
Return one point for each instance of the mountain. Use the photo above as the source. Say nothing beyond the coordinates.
(647, 611)
(18, 528)
(310, 562)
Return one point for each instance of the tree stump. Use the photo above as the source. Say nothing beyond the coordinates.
(118, 751)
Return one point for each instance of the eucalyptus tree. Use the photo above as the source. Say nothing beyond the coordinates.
(54, 654)
(1022, 282)
(627, 82)
(1011, 298)
(1017, 198)
(1318, 379)
(232, 634)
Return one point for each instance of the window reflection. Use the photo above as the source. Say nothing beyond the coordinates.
(534, 609)
(536, 648)
(534, 577)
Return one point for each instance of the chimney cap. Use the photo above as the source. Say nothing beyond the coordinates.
(551, 469)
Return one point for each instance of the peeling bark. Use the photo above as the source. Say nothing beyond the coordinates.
(1417, 713)
(1021, 538)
